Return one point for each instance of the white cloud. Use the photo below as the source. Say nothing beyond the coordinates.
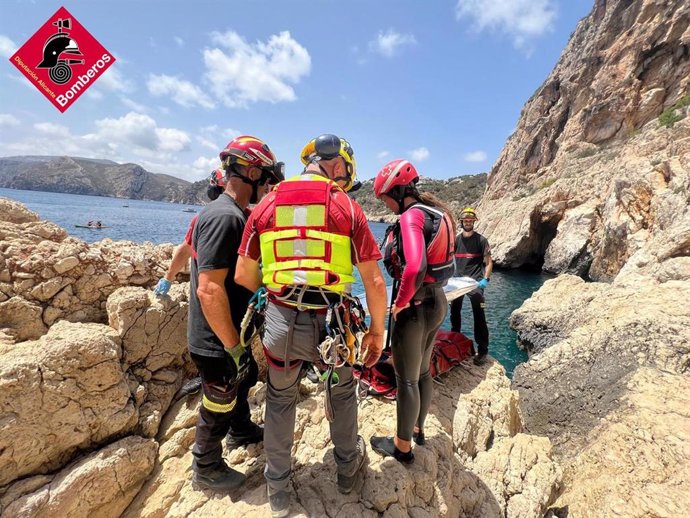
(133, 138)
(7, 46)
(182, 92)
(112, 80)
(388, 43)
(475, 156)
(522, 20)
(49, 128)
(419, 154)
(206, 164)
(7, 119)
(179, 41)
(382, 156)
(240, 73)
(133, 105)
(214, 137)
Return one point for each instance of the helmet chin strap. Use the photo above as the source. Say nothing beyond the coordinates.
(254, 183)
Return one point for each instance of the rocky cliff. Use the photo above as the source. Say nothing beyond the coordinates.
(596, 182)
(75, 175)
(599, 161)
(90, 362)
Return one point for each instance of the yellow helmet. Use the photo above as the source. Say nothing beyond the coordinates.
(327, 147)
(468, 213)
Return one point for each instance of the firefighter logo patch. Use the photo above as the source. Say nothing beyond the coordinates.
(62, 59)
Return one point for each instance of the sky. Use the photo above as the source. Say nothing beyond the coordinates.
(440, 83)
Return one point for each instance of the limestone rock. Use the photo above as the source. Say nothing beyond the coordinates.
(593, 141)
(102, 484)
(439, 484)
(593, 338)
(13, 212)
(489, 412)
(521, 473)
(154, 342)
(38, 260)
(637, 461)
(61, 393)
(21, 319)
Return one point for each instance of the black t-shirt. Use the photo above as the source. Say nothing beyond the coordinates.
(216, 239)
(469, 255)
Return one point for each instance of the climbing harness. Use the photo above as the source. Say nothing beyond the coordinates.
(345, 325)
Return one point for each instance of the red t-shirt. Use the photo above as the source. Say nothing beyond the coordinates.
(345, 215)
(190, 231)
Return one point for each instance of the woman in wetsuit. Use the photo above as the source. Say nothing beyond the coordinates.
(419, 252)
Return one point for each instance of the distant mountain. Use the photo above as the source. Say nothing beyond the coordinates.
(74, 175)
(457, 192)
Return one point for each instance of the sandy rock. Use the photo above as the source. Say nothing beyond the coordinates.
(14, 212)
(154, 343)
(438, 484)
(21, 319)
(102, 484)
(593, 337)
(521, 474)
(66, 264)
(61, 393)
(637, 461)
(489, 412)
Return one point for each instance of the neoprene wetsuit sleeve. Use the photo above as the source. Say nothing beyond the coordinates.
(414, 248)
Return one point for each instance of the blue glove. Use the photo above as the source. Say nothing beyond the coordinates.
(483, 283)
(162, 287)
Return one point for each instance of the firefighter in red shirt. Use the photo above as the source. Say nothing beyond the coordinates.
(308, 234)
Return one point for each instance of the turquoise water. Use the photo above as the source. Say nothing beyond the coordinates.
(160, 222)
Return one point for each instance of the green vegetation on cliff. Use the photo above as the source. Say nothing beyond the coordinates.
(457, 192)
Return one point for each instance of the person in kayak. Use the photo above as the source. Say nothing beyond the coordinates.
(473, 259)
(418, 250)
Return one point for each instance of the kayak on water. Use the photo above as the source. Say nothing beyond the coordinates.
(456, 288)
(93, 227)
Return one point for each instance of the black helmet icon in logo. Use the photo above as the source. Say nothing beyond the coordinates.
(58, 51)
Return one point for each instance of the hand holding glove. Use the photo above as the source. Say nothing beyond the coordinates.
(240, 358)
(484, 283)
(162, 287)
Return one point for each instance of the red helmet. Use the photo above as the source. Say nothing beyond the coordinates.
(247, 150)
(217, 178)
(398, 172)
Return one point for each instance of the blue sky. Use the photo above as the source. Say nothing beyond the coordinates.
(439, 82)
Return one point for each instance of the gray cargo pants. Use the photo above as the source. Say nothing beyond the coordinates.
(282, 394)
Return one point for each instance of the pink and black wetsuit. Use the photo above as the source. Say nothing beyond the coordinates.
(425, 243)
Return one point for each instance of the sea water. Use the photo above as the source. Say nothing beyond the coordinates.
(161, 222)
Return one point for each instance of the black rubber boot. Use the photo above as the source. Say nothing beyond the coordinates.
(280, 504)
(347, 483)
(222, 478)
(479, 359)
(386, 447)
(251, 435)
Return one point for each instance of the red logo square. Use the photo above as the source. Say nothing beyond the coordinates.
(62, 59)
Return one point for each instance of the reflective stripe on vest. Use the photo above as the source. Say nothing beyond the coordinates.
(301, 249)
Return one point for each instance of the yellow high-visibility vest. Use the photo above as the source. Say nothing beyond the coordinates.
(301, 249)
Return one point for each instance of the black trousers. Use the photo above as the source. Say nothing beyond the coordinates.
(412, 341)
(218, 393)
(481, 330)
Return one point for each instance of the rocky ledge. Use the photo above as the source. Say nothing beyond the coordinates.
(90, 365)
